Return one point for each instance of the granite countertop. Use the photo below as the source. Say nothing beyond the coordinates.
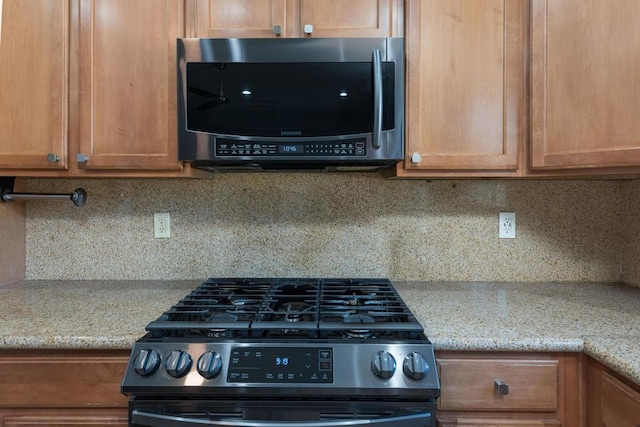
(603, 320)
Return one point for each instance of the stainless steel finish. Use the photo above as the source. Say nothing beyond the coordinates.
(385, 147)
(82, 158)
(352, 372)
(502, 388)
(53, 158)
(78, 197)
(162, 420)
(277, 30)
(377, 99)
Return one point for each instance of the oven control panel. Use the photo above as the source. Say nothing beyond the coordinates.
(267, 365)
(328, 369)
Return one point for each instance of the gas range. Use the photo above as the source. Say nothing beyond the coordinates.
(231, 339)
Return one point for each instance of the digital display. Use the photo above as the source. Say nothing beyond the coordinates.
(290, 149)
(281, 365)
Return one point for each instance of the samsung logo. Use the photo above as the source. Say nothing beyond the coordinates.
(290, 133)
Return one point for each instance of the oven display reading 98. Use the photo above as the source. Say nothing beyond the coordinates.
(281, 365)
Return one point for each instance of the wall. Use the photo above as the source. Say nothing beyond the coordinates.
(12, 239)
(328, 225)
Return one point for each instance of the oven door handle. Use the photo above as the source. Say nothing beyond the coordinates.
(161, 420)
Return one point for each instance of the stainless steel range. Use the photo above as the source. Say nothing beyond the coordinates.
(284, 352)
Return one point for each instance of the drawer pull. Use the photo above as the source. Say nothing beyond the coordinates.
(502, 388)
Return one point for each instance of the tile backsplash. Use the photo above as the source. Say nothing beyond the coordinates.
(334, 225)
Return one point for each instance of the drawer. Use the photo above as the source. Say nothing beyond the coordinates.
(470, 385)
(62, 381)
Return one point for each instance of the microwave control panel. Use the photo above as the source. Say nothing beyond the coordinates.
(242, 149)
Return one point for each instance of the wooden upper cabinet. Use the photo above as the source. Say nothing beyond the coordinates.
(351, 18)
(585, 84)
(291, 18)
(34, 65)
(466, 91)
(127, 75)
(237, 18)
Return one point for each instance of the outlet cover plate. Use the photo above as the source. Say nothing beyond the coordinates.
(507, 225)
(161, 225)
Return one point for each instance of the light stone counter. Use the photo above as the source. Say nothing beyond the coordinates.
(601, 319)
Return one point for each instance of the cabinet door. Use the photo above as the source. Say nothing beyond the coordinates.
(238, 18)
(128, 83)
(465, 87)
(620, 404)
(351, 18)
(33, 82)
(585, 84)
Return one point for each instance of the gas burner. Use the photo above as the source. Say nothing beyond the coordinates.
(364, 290)
(240, 300)
(357, 318)
(294, 310)
(358, 333)
(221, 333)
(222, 317)
(292, 288)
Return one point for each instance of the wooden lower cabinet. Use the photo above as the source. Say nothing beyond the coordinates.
(504, 389)
(62, 388)
(612, 400)
(488, 422)
(64, 417)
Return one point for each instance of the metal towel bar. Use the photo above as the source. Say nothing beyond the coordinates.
(78, 197)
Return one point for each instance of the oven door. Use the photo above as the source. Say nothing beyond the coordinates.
(243, 413)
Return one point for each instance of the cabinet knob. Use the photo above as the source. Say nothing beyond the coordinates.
(82, 158)
(53, 158)
(277, 30)
(308, 29)
(416, 157)
(502, 388)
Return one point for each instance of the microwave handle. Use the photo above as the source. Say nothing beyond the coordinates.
(377, 99)
(161, 420)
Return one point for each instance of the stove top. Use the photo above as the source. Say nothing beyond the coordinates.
(289, 337)
(289, 308)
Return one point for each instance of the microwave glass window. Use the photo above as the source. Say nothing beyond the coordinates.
(285, 99)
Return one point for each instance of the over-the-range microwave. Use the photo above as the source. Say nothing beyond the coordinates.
(291, 104)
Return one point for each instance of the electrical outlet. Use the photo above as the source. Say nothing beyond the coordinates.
(161, 225)
(507, 225)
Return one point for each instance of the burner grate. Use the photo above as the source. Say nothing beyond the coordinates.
(290, 308)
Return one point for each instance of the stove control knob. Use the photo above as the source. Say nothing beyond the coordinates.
(146, 362)
(415, 366)
(383, 364)
(178, 363)
(209, 365)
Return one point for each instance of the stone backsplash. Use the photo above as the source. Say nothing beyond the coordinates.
(336, 225)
